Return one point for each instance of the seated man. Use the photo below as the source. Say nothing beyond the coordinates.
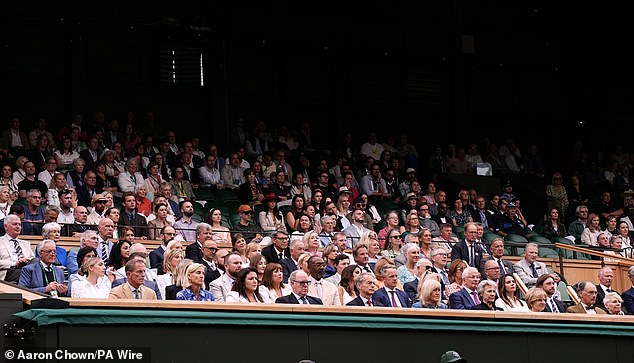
(221, 286)
(529, 269)
(389, 295)
(15, 253)
(134, 287)
(299, 283)
(588, 295)
(366, 284)
(43, 276)
(467, 297)
(148, 275)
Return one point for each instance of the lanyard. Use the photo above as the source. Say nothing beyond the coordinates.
(46, 277)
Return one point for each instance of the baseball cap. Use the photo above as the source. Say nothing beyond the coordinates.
(410, 170)
(244, 208)
(99, 198)
(451, 356)
(511, 205)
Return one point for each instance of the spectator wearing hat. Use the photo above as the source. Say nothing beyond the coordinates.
(98, 207)
(245, 225)
(271, 218)
(406, 186)
(510, 223)
(409, 203)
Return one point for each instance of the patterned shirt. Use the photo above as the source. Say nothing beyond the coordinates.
(188, 294)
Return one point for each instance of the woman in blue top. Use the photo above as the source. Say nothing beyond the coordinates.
(429, 295)
(193, 287)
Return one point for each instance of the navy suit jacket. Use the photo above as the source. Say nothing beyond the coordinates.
(194, 252)
(156, 260)
(149, 284)
(381, 296)
(461, 300)
(175, 209)
(359, 302)
(271, 254)
(628, 300)
(411, 289)
(560, 305)
(291, 299)
(288, 266)
(461, 251)
(31, 276)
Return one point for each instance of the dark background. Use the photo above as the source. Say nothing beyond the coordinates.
(547, 72)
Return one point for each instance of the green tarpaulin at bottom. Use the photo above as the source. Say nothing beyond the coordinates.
(114, 317)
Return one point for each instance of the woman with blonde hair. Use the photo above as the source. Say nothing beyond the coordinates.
(592, 230)
(95, 285)
(258, 262)
(311, 243)
(178, 277)
(171, 259)
(253, 248)
(193, 284)
(430, 295)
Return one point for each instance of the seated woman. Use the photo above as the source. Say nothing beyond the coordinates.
(329, 253)
(536, 300)
(311, 243)
(181, 188)
(239, 245)
(96, 285)
(371, 240)
(253, 249)
(159, 199)
(250, 192)
(347, 286)
(120, 252)
(273, 285)
(393, 243)
(407, 272)
(553, 227)
(245, 287)
(455, 276)
(592, 230)
(271, 218)
(486, 290)
(258, 262)
(193, 288)
(178, 278)
(171, 259)
(430, 295)
(509, 299)
(83, 254)
(214, 218)
(157, 224)
(143, 204)
(613, 302)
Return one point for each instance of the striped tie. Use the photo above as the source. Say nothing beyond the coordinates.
(18, 249)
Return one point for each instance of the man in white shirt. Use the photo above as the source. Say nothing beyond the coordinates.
(65, 204)
(209, 174)
(14, 253)
(356, 229)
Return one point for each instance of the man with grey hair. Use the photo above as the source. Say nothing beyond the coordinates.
(15, 253)
(327, 233)
(88, 238)
(366, 284)
(606, 276)
(628, 295)
(389, 295)
(289, 264)
(43, 276)
(467, 297)
(194, 251)
(278, 249)
(587, 292)
(300, 283)
(528, 268)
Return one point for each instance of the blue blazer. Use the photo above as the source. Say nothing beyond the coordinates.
(628, 300)
(288, 266)
(31, 276)
(461, 300)
(385, 299)
(156, 260)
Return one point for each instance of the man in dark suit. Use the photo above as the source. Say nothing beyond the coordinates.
(366, 284)
(130, 217)
(497, 254)
(588, 296)
(90, 154)
(42, 275)
(389, 295)
(278, 249)
(156, 256)
(209, 261)
(606, 275)
(195, 250)
(548, 284)
(299, 283)
(467, 296)
(290, 264)
(467, 249)
(628, 295)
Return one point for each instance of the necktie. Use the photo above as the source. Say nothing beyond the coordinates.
(49, 274)
(471, 255)
(367, 269)
(502, 269)
(369, 302)
(553, 306)
(304, 300)
(136, 293)
(104, 253)
(445, 277)
(609, 290)
(280, 255)
(18, 249)
(394, 304)
(534, 271)
(475, 297)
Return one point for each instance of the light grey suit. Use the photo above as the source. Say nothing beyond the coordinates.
(220, 287)
(523, 270)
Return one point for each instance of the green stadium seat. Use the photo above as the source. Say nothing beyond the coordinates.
(540, 240)
(546, 252)
(515, 238)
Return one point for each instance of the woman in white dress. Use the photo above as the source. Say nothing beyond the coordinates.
(273, 285)
(96, 285)
(348, 284)
(170, 261)
(509, 295)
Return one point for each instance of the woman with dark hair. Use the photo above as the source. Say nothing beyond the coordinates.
(297, 210)
(258, 170)
(104, 181)
(298, 186)
(393, 242)
(250, 192)
(65, 155)
(271, 218)
(304, 224)
(553, 226)
(245, 287)
(158, 223)
(120, 252)
(239, 245)
(181, 187)
(509, 299)
(318, 201)
(347, 286)
(214, 218)
(258, 262)
(273, 285)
